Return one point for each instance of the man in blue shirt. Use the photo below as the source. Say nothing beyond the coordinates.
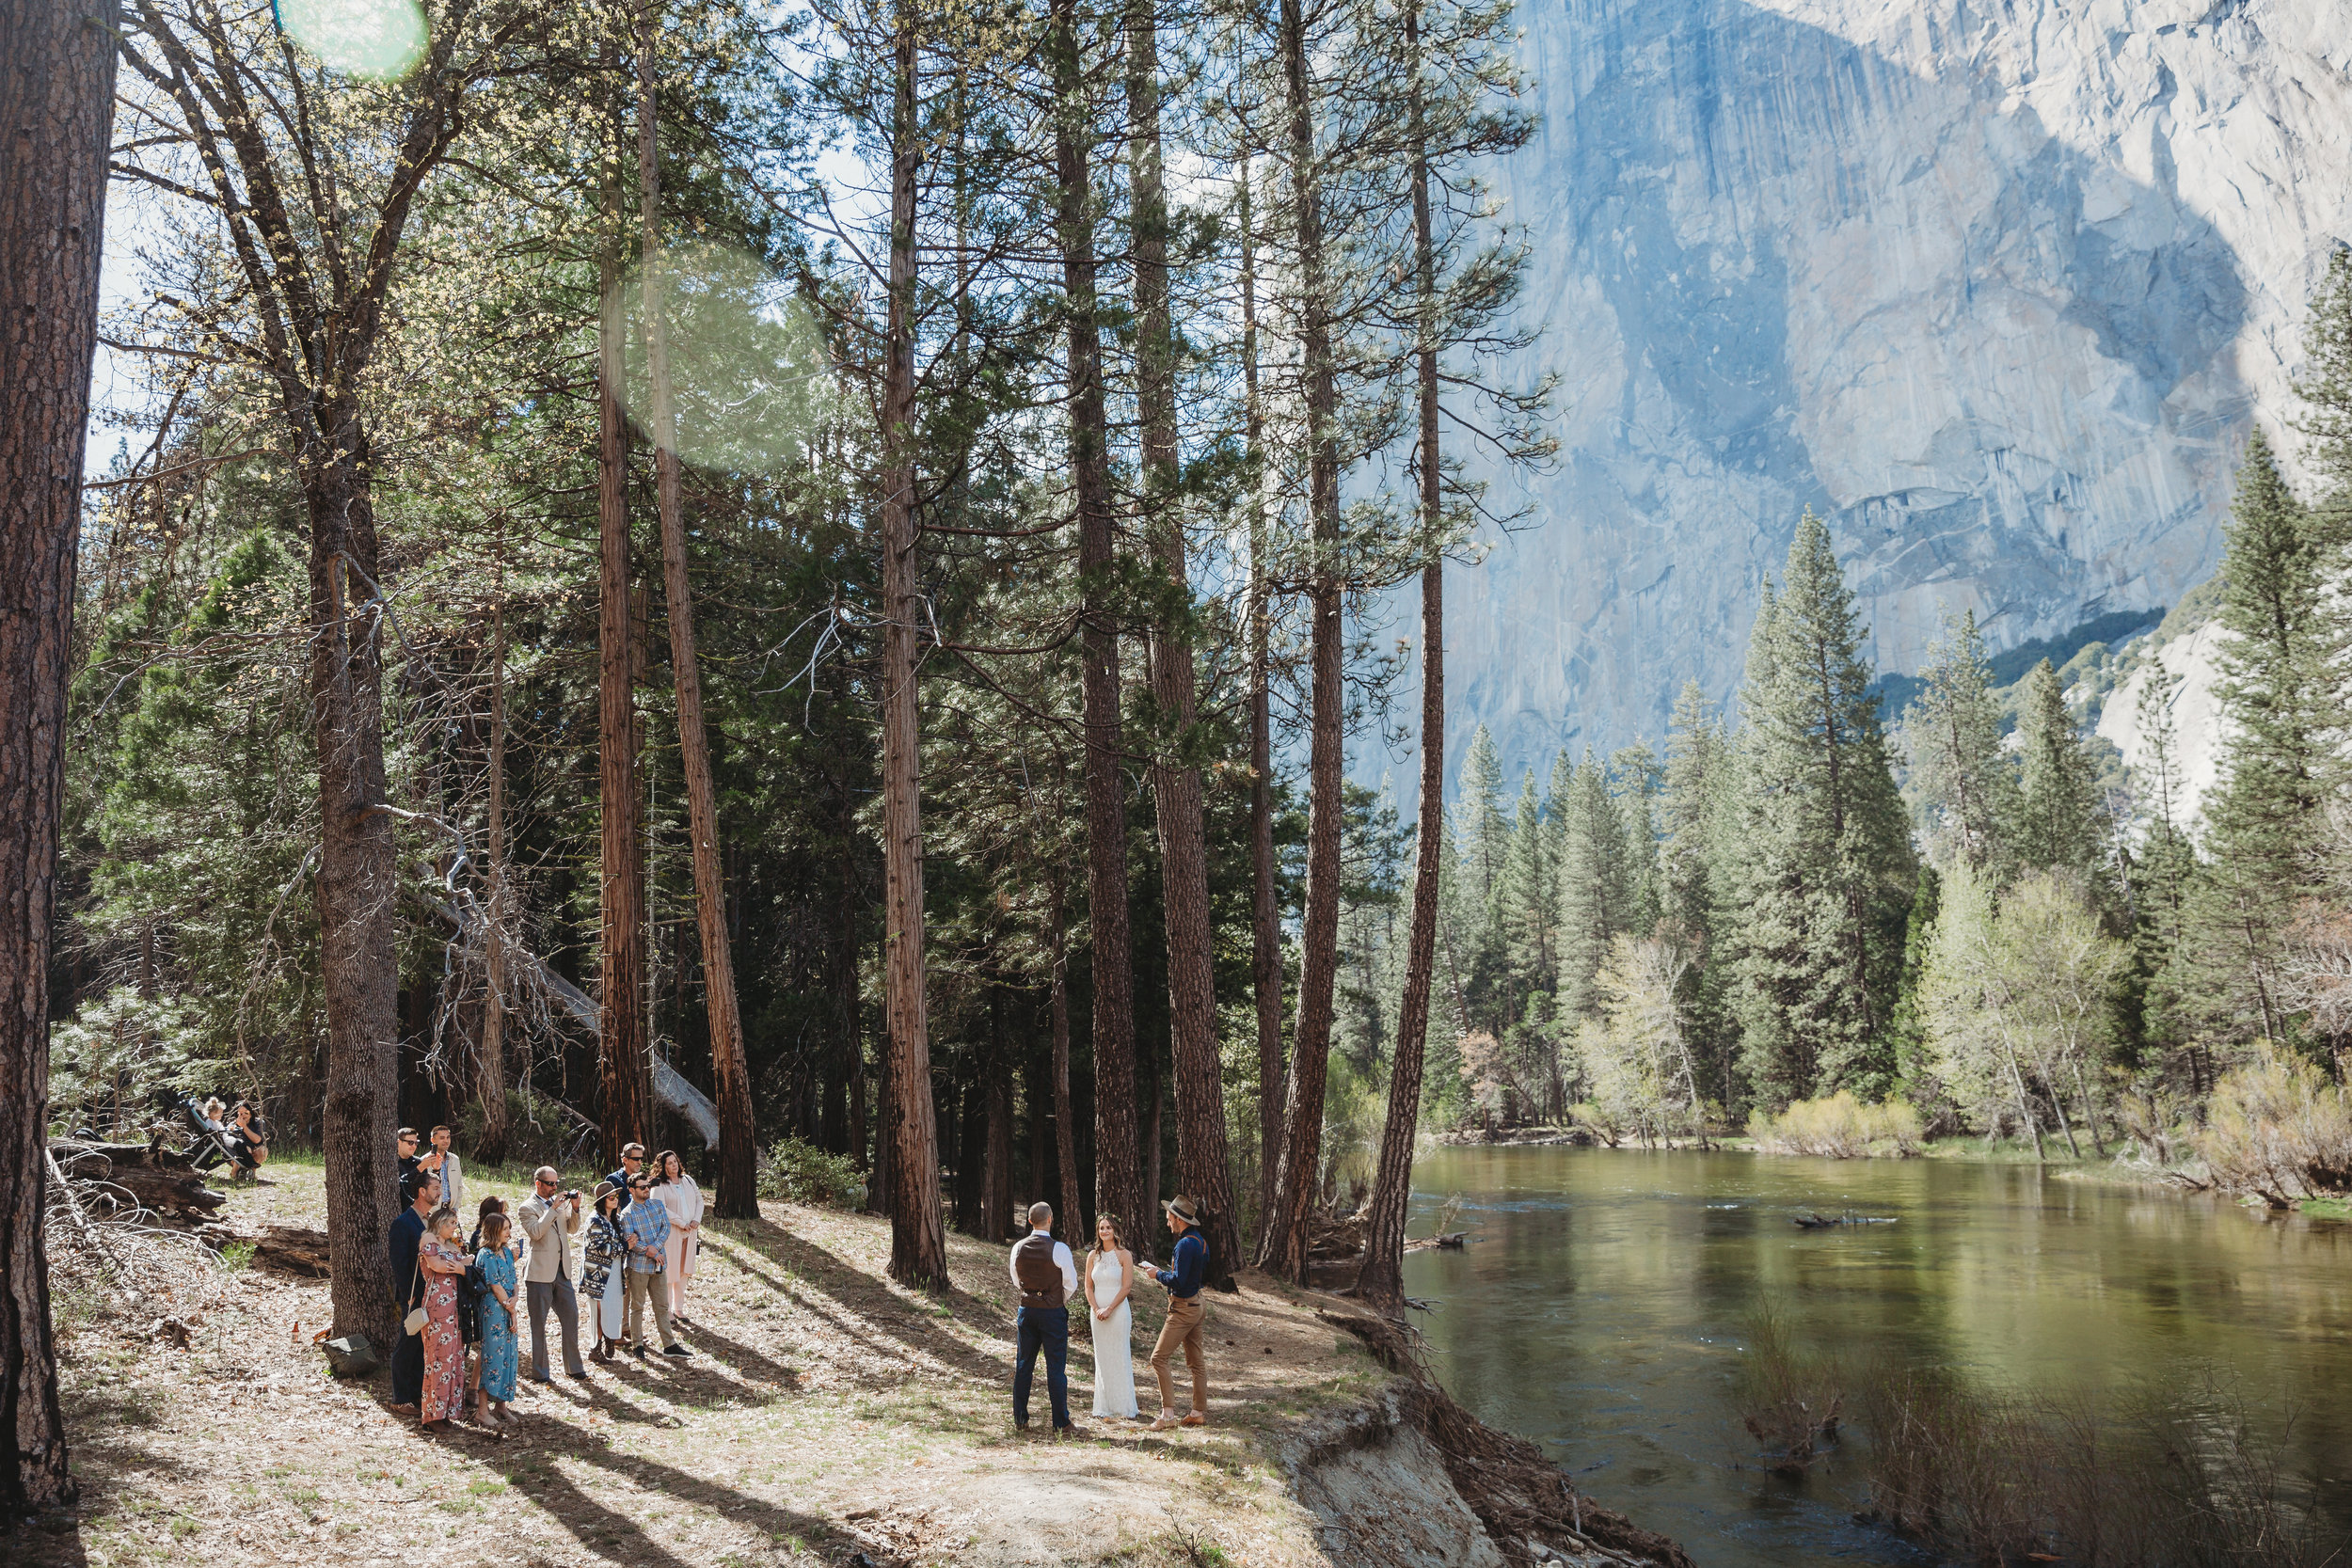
(646, 1224)
(1186, 1315)
(423, 1190)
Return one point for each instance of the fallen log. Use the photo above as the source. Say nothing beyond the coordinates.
(292, 1250)
(158, 1182)
(1818, 1222)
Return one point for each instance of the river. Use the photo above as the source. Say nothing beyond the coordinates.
(1602, 1302)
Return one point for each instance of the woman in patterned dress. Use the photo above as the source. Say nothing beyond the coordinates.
(499, 1344)
(601, 1278)
(444, 1348)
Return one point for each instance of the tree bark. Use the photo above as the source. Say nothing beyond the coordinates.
(1265, 931)
(1381, 1281)
(624, 1067)
(918, 1246)
(1117, 1180)
(490, 1080)
(1068, 1201)
(56, 109)
(1203, 1163)
(1282, 1246)
(738, 1194)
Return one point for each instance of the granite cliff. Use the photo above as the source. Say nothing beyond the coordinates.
(1995, 285)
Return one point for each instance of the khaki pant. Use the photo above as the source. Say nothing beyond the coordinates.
(648, 1289)
(1184, 1320)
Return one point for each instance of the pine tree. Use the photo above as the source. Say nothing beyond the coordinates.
(1593, 890)
(2057, 825)
(2326, 390)
(1635, 778)
(1484, 831)
(1829, 870)
(1523, 896)
(1962, 784)
(2265, 824)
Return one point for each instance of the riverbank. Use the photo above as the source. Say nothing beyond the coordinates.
(830, 1418)
(2110, 1171)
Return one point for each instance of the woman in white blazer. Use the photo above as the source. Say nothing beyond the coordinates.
(684, 1200)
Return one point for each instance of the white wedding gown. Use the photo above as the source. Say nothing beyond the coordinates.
(1114, 1358)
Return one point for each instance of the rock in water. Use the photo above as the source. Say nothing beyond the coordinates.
(1995, 288)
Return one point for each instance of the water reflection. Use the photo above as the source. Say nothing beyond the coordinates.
(1602, 1305)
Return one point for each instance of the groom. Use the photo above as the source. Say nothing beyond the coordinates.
(1046, 1276)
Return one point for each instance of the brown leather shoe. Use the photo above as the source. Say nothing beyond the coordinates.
(1195, 1419)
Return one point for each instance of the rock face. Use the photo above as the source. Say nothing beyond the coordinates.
(2191, 668)
(1995, 285)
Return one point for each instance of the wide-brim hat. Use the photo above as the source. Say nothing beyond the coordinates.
(1181, 1207)
(605, 1189)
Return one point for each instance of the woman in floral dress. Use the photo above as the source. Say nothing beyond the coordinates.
(499, 1344)
(444, 1347)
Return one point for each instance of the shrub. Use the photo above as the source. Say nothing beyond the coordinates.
(1789, 1403)
(2128, 1480)
(2279, 1130)
(797, 1172)
(1839, 1128)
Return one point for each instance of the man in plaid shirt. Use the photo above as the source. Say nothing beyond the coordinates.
(646, 1225)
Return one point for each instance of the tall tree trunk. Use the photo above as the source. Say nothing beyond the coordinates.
(849, 1055)
(1382, 1281)
(1117, 1181)
(56, 108)
(1151, 1148)
(625, 1087)
(1282, 1246)
(490, 1066)
(1068, 1201)
(1265, 931)
(1203, 1163)
(357, 878)
(918, 1246)
(738, 1177)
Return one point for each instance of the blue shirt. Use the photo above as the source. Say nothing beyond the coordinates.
(1191, 1261)
(646, 1224)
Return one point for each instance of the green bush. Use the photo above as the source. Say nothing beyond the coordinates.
(802, 1173)
(1839, 1126)
(2279, 1130)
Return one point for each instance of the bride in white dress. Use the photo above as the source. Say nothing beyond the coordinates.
(1110, 1274)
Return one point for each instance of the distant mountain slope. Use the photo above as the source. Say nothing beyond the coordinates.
(1998, 288)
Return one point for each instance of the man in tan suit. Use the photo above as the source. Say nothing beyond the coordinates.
(550, 1219)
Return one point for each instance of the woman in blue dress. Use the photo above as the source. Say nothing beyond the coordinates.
(499, 1344)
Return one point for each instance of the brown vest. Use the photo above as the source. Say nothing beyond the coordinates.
(1040, 1275)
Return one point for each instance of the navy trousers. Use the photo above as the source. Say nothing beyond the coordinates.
(407, 1366)
(1045, 1328)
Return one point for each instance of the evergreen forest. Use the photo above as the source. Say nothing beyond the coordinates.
(798, 583)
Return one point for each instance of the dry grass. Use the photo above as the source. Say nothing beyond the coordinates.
(830, 1413)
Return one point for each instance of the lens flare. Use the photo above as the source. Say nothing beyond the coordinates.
(381, 40)
(750, 377)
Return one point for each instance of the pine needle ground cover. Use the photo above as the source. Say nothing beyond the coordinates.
(827, 1413)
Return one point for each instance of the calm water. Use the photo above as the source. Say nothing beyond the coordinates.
(1602, 1305)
